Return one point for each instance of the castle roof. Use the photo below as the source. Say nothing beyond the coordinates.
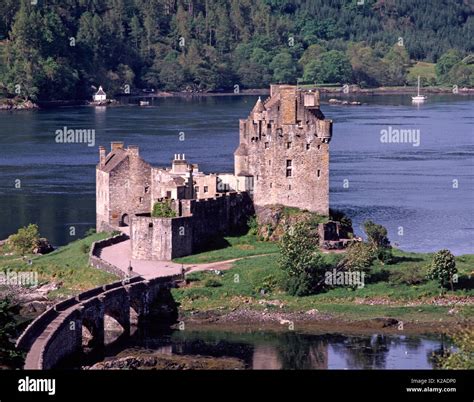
(259, 107)
(100, 91)
(115, 158)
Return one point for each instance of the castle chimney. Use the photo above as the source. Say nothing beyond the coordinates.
(114, 145)
(101, 155)
(134, 150)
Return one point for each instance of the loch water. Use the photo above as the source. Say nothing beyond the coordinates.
(423, 194)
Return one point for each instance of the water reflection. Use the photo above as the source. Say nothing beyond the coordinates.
(292, 350)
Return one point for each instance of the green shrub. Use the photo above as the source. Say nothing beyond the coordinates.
(412, 275)
(8, 329)
(252, 225)
(269, 284)
(359, 255)
(443, 268)
(463, 357)
(376, 234)
(163, 209)
(89, 232)
(300, 259)
(26, 239)
(85, 248)
(212, 283)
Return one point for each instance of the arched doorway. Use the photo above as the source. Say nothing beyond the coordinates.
(125, 221)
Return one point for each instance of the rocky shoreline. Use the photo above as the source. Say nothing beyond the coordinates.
(156, 361)
(311, 321)
(10, 104)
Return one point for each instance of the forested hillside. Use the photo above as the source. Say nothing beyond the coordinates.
(62, 49)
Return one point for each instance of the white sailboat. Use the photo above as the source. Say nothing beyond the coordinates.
(418, 98)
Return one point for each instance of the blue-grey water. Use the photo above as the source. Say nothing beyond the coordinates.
(283, 350)
(423, 194)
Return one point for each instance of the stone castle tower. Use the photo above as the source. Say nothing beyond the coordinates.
(284, 150)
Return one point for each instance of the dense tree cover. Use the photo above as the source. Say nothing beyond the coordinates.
(60, 49)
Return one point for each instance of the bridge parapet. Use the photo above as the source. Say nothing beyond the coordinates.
(57, 333)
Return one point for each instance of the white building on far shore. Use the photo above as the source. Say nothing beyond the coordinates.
(100, 96)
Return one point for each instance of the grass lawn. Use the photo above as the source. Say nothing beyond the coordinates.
(232, 247)
(67, 265)
(425, 70)
(240, 287)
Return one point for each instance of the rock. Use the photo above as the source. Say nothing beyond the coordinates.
(168, 362)
(312, 312)
(49, 287)
(43, 246)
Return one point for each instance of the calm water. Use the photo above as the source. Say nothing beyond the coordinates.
(290, 350)
(397, 185)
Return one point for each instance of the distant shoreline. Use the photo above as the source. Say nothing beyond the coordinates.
(350, 91)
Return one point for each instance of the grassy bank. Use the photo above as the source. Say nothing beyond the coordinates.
(231, 247)
(398, 290)
(67, 266)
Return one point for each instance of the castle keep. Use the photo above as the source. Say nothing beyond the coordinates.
(284, 149)
(282, 158)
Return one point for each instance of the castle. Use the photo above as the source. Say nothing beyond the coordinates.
(282, 158)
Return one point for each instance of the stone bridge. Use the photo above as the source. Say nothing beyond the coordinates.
(58, 332)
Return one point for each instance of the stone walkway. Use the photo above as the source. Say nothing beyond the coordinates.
(120, 255)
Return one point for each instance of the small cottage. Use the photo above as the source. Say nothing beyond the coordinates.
(100, 96)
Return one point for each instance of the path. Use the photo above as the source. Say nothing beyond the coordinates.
(120, 255)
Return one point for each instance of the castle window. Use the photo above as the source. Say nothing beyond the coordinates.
(206, 189)
(140, 199)
(289, 163)
(150, 225)
(196, 189)
(269, 125)
(269, 162)
(168, 194)
(319, 173)
(147, 189)
(289, 187)
(267, 145)
(308, 146)
(288, 172)
(288, 145)
(271, 185)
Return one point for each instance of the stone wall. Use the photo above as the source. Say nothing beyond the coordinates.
(202, 220)
(161, 239)
(124, 189)
(97, 262)
(284, 145)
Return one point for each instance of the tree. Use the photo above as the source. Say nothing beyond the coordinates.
(443, 268)
(26, 239)
(359, 256)
(378, 241)
(376, 234)
(300, 259)
(396, 63)
(330, 67)
(445, 63)
(284, 68)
